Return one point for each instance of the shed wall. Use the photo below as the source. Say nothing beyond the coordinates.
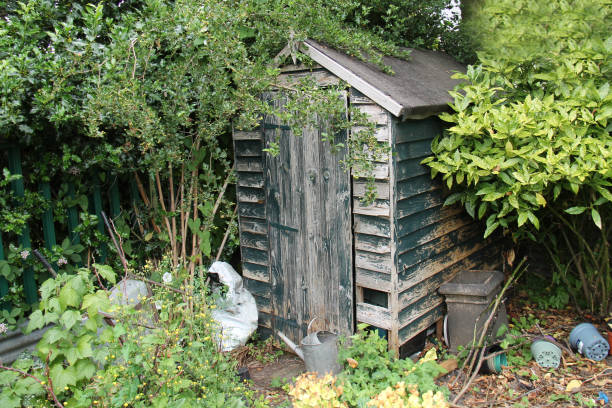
(433, 242)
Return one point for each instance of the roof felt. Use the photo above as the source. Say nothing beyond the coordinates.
(419, 87)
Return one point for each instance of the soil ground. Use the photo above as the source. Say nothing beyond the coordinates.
(523, 385)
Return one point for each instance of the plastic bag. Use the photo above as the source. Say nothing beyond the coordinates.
(237, 315)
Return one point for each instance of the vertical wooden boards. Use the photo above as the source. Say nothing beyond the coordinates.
(113, 198)
(18, 186)
(73, 218)
(308, 210)
(3, 281)
(47, 218)
(97, 207)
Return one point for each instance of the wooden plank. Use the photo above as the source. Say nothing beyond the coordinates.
(253, 225)
(375, 114)
(18, 187)
(372, 261)
(380, 172)
(414, 186)
(47, 219)
(250, 195)
(382, 133)
(3, 282)
(373, 280)
(416, 310)
(356, 97)
(256, 272)
(247, 135)
(265, 318)
(479, 260)
(421, 324)
(255, 180)
(436, 246)
(248, 148)
(252, 210)
(257, 288)
(300, 67)
(73, 217)
(321, 77)
(377, 208)
(441, 227)
(256, 256)
(414, 222)
(354, 80)
(246, 164)
(418, 203)
(413, 275)
(381, 187)
(409, 168)
(374, 315)
(263, 304)
(421, 129)
(413, 150)
(379, 226)
(256, 241)
(373, 243)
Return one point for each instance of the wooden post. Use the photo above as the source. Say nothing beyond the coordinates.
(73, 218)
(97, 206)
(47, 218)
(113, 193)
(29, 282)
(3, 281)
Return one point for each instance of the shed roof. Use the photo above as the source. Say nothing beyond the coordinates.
(419, 87)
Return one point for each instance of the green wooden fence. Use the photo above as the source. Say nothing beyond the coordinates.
(48, 224)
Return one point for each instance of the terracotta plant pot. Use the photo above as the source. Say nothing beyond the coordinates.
(610, 342)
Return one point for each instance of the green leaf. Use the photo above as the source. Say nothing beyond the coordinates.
(452, 199)
(54, 334)
(491, 228)
(205, 243)
(575, 210)
(84, 346)
(69, 318)
(596, 218)
(62, 377)
(533, 219)
(522, 218)
(36, 321)
(69, 297)
(106, 272)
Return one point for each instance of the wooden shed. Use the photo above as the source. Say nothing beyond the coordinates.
(310, 248)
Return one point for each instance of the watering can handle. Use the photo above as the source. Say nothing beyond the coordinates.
(313, 319)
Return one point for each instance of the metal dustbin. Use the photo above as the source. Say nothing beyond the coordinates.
(468, 295)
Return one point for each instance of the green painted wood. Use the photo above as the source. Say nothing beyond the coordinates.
(250, 179)
(413, 150)
(256, 271)
(255, 256)
(409, 168)
(18, 186)
(257, 287)
(365, 224)
(412, 130)
(414, 222)
(409, 314)
(97, 207)
(73, 217)
(257, 241)
(421, 324)
(250, 195)
(47, 218)
(414, 186)
(438, 245)
(3, 282)
(418, 203)
(114, 198)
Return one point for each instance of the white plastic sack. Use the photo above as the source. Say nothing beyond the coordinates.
(127, 291)
(237, 315)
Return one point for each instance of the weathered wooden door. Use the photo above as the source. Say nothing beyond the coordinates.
(310, 232)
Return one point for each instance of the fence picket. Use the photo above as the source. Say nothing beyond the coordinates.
(73, 218)
(29, 281)
(3, 282)
(97, 203)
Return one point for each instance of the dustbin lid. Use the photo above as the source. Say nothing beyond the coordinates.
(473, 283)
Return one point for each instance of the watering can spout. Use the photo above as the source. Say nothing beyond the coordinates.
(291, 344)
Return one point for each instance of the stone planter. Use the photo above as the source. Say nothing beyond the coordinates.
(15, 342)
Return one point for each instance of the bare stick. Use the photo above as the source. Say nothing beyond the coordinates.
(45, 263)
(171, 238)
(117, 247)
(220, 251)
(145, 199)
(173, 218)
(183, 223)
(222, 192)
